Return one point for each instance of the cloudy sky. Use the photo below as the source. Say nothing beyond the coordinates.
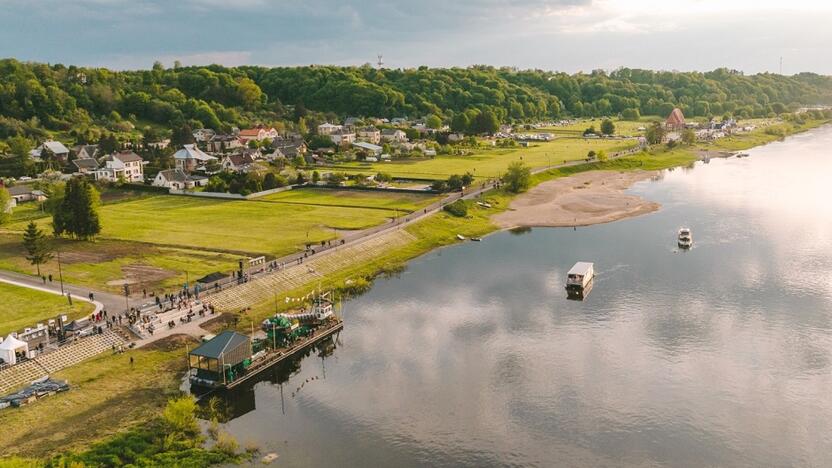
(567, 35)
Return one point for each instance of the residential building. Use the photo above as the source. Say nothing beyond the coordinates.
(162, 144)
(369, 148)
(350, 123)
(393, 135)
(56, 147)
(203, 135)
(257, 134)
(369, 134)
(237, 162)
(328, 128)
(288, 149)
(190, 158)
(176, 179)
(223, 143)
(85, 165)
(86, 151)
(23, 193)
(126, 164)
(342, 138)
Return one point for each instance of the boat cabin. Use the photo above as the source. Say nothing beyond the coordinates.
(580, 275)
(219, 360)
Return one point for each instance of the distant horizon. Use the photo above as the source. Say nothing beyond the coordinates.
(171, 64)
(567, 35)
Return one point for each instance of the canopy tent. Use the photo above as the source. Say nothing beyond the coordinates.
(10, 347)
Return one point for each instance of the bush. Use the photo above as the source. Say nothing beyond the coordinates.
(458, 208)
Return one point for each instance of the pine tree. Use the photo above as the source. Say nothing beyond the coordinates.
(37, 246)
(77, 213)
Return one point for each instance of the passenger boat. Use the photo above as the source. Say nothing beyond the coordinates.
(685, 239)
(580, 276)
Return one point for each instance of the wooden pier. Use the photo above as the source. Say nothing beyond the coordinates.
(275, 356)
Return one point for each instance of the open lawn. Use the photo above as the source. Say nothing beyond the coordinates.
(22, 307)
(106, 263)
(491, 162)
(354, 199)
(622, 127)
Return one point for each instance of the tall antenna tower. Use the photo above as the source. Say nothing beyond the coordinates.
(380, 62)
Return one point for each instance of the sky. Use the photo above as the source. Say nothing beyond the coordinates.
(562, 35)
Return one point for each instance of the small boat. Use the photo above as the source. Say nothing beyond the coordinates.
(460, 237)
(476, 239)
(580, 276)
(484, 205)
(742, 155)
(685, 239)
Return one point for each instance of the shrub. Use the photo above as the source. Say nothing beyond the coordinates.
(458, 208)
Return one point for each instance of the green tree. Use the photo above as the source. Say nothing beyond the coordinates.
(607, 127)
(602, 155)
(460, 123)
(77, 213)
(655, 133)
(518, 177)
(181, 135)
(19, 147)
(688, 136)
(631, 114)
(5, 206)
(433, 121)
(108, 144)
(590, 131)
(316, 177)
(298, 161)
(250, 94)
(486, 122)
(38, 250)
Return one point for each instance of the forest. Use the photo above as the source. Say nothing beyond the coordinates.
(83, 104)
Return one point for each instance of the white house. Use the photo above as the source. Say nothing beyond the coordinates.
(394, 135)
(191, 158)
(176, 179)
(203, 134)
(327, 128)
(86, 151)
(237, 162)
(342, 138)
(126, 164)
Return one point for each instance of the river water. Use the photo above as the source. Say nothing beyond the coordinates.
(718, 356)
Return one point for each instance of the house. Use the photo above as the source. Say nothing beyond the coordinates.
(223, 143)
(24, 193)
(288, 149)
(393, 135)
(56, 147)
(161, 144)
(176, 179)
(453, 137)
(369, 148)
(203, 135)
(191, 158)
(399, 121)
(86, 151)
(327, 128)
(350, 123)
(237, 162)
(369, 134)
(342, 137)
(85, 165)
(676, 120)
(125, 164)
(257, 134)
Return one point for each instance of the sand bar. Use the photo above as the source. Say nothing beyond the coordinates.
(584, 199)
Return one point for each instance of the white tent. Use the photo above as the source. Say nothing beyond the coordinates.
(10, 346)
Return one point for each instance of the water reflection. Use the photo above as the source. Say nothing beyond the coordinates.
(475, 357)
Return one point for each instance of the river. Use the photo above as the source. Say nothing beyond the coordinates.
(718, 356)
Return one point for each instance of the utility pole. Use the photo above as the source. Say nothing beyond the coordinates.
(60, 273)
(781, 64)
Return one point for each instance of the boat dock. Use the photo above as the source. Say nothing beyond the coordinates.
(226, 361)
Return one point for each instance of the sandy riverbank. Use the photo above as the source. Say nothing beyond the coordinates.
(584, 199)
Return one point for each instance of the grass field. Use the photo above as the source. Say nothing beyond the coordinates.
(622, 127)
(491, 162)
(23, 307)
(353, 199)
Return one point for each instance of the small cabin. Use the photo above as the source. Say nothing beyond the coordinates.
(580, 275)
(220, 360)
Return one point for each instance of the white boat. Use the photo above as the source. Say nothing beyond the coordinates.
(685, 239)
(580, 276)
(460, 237)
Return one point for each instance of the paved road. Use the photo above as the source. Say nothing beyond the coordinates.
(109, 302)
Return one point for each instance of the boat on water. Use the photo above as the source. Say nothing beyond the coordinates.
(580, 276)
(742, 155)
(476, 239)
(685, 239)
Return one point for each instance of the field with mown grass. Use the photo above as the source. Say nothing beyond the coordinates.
(492, 161)
(22, 307)
(576, 129)
(354, 199)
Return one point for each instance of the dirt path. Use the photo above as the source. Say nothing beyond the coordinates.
(584, 199)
